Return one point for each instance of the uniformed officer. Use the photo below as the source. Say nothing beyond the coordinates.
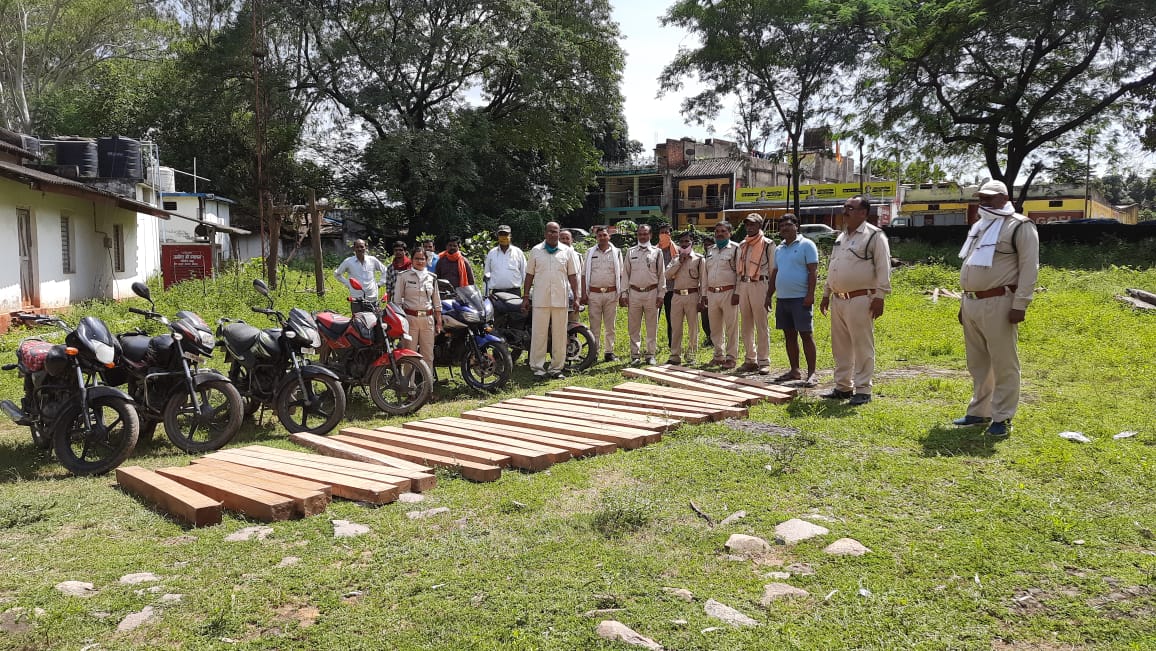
(756, 256)
(417, 294)
(1001, 262)
(603, 281)
(645, 281)
(721, 300)
(684, 277)
(858, 278)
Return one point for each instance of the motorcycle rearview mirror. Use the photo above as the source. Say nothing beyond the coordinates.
(142, 290)
(261, 287)
(354, 284)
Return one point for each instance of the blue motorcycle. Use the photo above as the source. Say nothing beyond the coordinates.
(467, 340)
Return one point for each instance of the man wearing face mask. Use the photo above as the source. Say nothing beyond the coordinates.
(453, 266)
(644, 278)
(684, 277)
(505, 265)
(603, 282)
(669, 252)
(550, 275)
(721, 300)
(1001, 259)
(431, 255)
(756, 258)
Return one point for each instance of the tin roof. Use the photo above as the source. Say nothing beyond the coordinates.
(711, 167)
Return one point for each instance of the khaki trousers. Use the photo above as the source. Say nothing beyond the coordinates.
(992, 357)
(724, 324)
(684, 314)
(853, 343)
(548, 326)
(753, 307)
(421, 328)
(603, 310)
(642, 304)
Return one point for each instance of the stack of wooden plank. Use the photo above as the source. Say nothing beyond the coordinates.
(681, 377)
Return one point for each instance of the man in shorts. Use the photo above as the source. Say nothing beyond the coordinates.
(794, 274)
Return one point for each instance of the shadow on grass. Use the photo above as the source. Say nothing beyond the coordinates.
(820, 407)
(957, 441)
(21, 461)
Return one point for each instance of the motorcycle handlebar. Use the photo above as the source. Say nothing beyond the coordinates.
(137, 310)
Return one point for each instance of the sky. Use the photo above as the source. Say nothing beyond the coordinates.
(649, 47)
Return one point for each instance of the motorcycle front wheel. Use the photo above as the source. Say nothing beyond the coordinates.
(581, 349)
(105, 445)
(315, 404)
(401, 390)
(209, 425)
(487, 367)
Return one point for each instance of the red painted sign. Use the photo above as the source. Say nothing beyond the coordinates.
(181, 262)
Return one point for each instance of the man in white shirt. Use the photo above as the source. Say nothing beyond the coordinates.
(550, 272)
(505, 265)
(365, 269)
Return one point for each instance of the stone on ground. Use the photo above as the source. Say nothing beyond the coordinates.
(133, 620)
(15, 621)
(796, 530)
(171, 598)
(76, 588)
(139, 577)
(777, 575)
(609, 629)
(750, 545)
(347, 529)
(289, 561)
(410, 498)
(846, 547)
(800, 569)
(249, 533)
(417, 515)
(727, 614)
(775, 591)
(733, 518)
(681, 593)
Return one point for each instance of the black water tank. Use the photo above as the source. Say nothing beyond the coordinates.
(120, 158)
(80, 152)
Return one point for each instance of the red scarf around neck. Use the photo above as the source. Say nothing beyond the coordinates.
(406, 263)
(463, 275)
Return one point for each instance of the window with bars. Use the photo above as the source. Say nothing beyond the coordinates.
(67, 257)
(118, 247)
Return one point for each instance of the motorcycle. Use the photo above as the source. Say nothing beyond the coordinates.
(361, 351)
(467, 339)
(201, 409)
(91, 427)
(268, 367)
(513, 325)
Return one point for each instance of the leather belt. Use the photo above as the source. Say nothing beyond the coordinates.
(418, 312)
(993, 292)
(855, 294)
(686, 292)
(643, 289)
(754, 279)
(603, 290)
(724, 288)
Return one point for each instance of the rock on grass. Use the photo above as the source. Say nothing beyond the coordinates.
(609, 629)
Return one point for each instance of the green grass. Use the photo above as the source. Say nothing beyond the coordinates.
(1034, 542)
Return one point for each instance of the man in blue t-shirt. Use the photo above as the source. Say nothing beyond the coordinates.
(793, 276)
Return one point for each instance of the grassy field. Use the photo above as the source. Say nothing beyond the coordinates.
(1030, 543)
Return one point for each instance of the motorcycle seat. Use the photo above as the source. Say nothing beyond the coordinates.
(331, 324)
(135, 347)
(506, 303)
(247, 342)
(31, 354)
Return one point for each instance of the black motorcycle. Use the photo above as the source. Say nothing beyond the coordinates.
(467, 338)
(513, 325)
(200, 407)
(91, 427)
(268, 367)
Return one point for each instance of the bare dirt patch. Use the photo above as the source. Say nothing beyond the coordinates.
(305, 616)
(919, 373)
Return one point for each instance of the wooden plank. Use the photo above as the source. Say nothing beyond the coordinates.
(468, 469)
(629, 442)
(177, 500)
(590, 415)
(420, 480)
(297, 482)
(674, 393)
(625, 418)
(554, 454)
(689, 385)
(717, 411)
(524, 458)
(252, 502)
(576, 445)
(744, 384)
(318, 462)
(348, 487)
(409, 439)
(648, 435)
(305, 502)
(618, 411)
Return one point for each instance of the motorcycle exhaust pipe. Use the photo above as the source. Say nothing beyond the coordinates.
(14, 412)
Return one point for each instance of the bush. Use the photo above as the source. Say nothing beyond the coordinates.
(622, 513)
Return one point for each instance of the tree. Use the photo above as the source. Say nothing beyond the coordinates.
(791, 56)
(1007, 79)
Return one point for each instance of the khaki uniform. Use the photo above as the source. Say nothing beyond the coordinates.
(685, 284)
(603, 278)
(720, 282)
(752, 291)
(644, 282)
(576, 315)
(417, 295)
(859, 271)
(990, 340)
(550, 300)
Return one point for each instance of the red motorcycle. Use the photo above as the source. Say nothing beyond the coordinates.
(361, 352)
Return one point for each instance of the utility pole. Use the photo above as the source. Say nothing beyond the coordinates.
(270, 224)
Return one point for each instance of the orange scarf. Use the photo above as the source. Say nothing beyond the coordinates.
(751, 263)
(463, 275)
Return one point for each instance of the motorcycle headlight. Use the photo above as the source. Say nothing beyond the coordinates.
(207, 340)
(471, 316)
(105, 354)
(314, 338)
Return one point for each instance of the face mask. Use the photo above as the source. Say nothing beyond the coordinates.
(685, 250)
(664, 240)
(722, 244)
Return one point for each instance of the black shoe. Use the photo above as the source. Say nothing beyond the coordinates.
(634, 361)
(836, 394)
(540, 375)
(859, 399)
(557, 375)
(999, 429)
(969, 420)
(609, 357)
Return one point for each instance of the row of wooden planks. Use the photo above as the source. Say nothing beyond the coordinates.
(373, 465)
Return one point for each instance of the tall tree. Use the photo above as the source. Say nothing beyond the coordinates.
(791, 55)
(1006, 79)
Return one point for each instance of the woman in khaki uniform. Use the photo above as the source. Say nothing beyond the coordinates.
(417, 295)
